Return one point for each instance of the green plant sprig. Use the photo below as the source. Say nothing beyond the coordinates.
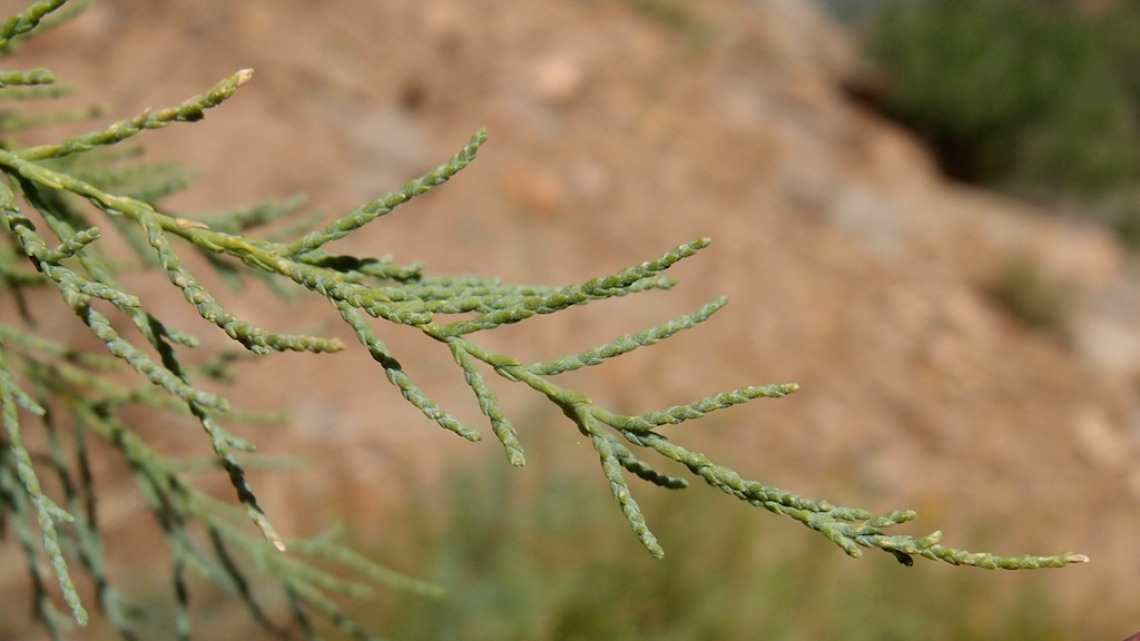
(28, 20)
(190, 111)
(499, 305)
(54, 181)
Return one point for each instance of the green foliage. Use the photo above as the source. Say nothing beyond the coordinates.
(59, 402)
(1032, 96)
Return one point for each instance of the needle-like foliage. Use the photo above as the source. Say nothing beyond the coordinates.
(55, 202)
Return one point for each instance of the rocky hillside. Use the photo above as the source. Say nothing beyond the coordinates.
(619, 129)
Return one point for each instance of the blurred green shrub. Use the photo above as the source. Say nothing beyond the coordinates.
(1030, 96)
(1023, 289)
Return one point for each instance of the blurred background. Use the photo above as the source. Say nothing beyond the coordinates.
(925, 213)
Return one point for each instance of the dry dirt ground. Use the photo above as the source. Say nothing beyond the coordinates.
(619, 129)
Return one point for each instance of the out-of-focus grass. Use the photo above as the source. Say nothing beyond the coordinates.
(551, 559)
